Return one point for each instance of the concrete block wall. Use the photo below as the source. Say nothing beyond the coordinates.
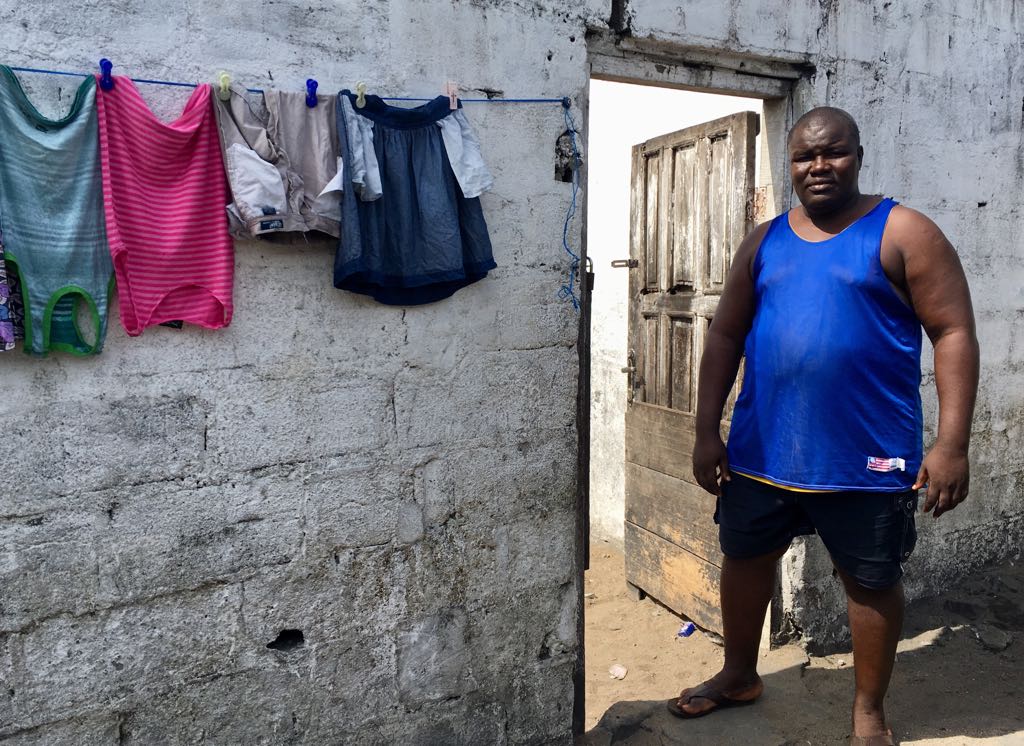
(396, 484)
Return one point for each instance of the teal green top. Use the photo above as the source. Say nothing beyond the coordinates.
(51, 212)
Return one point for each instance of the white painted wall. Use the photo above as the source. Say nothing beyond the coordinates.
(622, 115)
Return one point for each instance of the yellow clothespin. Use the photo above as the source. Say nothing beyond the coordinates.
(223, 86)
(451, 90)
(360, 95)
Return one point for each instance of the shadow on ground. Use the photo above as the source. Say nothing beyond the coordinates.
(958, 680)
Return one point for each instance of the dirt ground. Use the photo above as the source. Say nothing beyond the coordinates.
(958, 680)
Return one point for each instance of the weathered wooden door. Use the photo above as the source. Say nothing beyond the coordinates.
(691, 205)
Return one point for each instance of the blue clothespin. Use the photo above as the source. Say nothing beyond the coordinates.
(106, 82)
(311, 93)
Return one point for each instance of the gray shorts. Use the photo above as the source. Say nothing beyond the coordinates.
(283, 164)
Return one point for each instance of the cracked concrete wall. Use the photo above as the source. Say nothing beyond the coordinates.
(399, 485)
(936, 87)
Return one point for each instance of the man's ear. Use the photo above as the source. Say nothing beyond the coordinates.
(860, 156)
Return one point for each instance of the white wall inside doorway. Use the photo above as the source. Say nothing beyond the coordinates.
(622, 115)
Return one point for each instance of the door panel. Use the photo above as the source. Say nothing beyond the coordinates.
(665, 506)
(659, 439)
(691, 204)
(681, 396)
(652, 167)
(684, 581)
(686, 223)
(649, 393)
(719, 184)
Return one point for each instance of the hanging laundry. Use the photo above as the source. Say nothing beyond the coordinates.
(12, 312)
(412, 228)
(164, 191)
(10, 322)
(282, 163)
(51, 203)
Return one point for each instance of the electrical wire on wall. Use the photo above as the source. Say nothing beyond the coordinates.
(568, 290)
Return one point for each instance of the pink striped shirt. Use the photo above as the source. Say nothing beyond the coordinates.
(164, 192)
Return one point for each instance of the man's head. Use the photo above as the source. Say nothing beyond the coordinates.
(825, 156)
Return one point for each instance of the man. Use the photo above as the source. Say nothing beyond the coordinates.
(827, 302)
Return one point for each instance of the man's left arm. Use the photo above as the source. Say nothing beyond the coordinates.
(935, 282)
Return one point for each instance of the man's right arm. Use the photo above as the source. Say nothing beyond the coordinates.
(723, 349)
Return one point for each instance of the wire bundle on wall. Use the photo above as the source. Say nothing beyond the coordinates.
(569, 290)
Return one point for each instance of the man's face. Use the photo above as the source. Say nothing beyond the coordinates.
(824, 163)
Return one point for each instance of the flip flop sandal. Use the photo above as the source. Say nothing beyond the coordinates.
(886, 739)
(704, 691)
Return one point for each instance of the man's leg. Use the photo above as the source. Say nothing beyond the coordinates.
(746, 591)
(876, 619)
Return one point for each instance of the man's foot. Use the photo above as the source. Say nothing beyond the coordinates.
(884, 739)
(869, 722)
(720, 691)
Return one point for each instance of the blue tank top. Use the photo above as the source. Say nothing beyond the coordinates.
(831, 392)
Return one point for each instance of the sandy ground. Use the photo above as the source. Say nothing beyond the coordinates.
(959, 675)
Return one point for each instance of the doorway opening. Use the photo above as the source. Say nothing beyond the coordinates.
(675, 179)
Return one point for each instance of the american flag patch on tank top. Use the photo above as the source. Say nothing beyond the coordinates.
(886, 464)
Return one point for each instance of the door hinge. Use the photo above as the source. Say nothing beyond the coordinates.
(627, 263)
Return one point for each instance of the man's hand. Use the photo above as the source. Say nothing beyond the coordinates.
(710, 463)
(947, 473)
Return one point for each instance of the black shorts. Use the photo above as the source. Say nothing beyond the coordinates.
(868, 534)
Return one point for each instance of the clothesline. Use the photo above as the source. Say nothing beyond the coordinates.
(567, 291)
(564, 101)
